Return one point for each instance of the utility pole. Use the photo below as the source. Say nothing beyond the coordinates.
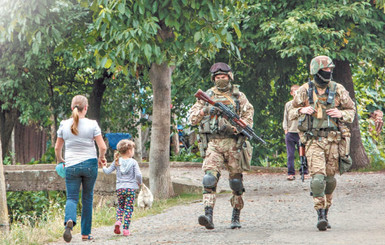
(4, 223)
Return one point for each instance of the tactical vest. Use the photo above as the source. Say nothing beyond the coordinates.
(211, 124)
(320, 122)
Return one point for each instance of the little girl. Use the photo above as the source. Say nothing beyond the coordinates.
(128, 179)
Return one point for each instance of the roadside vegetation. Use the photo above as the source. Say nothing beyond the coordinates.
(48, 225)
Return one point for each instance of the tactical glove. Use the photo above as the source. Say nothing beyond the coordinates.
(215, 111)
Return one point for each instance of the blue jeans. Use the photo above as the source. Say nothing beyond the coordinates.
(84, 174)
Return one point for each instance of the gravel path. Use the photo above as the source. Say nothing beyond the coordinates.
(276, 211)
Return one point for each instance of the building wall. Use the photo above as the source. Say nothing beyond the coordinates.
(30, 143)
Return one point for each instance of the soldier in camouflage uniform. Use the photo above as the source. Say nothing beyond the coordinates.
(221, 142)
(323, 107)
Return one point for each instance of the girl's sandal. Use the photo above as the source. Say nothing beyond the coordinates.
(87, 237)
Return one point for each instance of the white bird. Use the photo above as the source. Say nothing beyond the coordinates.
(145, 197)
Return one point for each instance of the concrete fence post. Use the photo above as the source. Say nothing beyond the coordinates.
(4, 223)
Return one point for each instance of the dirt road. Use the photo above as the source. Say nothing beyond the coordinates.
(276, 211)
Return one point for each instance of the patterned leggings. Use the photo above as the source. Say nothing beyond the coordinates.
(126, 198)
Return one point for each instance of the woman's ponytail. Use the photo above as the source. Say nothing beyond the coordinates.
(79, 102)
(75, 116)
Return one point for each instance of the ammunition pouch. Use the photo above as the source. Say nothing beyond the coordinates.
(224, 127)
(220, 136)
(345, 161)
(345, 131)
(202, 144)
(205, 127)
(344, 164)
(324, 132)
(246, 155)
(304, 123)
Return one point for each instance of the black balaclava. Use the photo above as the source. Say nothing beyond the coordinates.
(322, 78)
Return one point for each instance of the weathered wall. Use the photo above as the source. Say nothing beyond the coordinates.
(43, 177)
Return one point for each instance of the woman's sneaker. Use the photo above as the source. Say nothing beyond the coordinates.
(67, 233)
(126, 232)
(117, 227)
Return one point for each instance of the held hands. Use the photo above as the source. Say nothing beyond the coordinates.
(102, 162)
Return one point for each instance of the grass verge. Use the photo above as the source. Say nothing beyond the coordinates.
(50, 227)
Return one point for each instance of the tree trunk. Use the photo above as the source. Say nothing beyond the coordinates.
(175, 138)
(145, 139)
(343, 75)
(160, 179)
(53, 129)
(7, 123)
(175, 148)
(4, 223)
(95, 100)
(138, 143)
(13, 146)
(53, 117)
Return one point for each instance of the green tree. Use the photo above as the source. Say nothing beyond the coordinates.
(40, 76)
(278, 34)
(370, 95)
(157, 34)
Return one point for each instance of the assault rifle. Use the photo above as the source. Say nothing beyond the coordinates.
(233, 118)
(303, 160)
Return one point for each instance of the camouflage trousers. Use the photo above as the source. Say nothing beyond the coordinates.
(222, 152)
(322, 156)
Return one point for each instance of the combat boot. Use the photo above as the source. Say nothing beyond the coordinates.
(235, 219)
(322, 223)
(207, 219)
(326, 217)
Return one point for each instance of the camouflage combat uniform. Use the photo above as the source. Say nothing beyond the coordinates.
(325, 137)
(322, 152)
(222, 149)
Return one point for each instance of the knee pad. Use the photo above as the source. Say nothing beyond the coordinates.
(331, 184)
(236, 184)
(317, 185)
(210, 181)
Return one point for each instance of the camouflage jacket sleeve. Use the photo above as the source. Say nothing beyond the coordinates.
(286, 116)
(301, 99)
(246, 110)
(343, 102)
(346, 105)
(195, 116)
